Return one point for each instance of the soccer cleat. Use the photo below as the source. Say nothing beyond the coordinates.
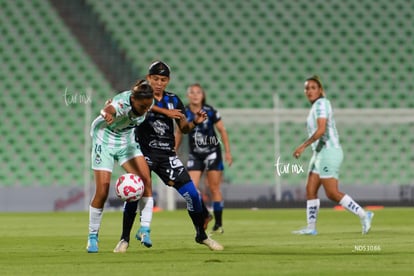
(212, 244)
(121, 247)
(366, 222)
(92, 246)
(217, 230)
(305, 231)
(207, 220)
(143, 235)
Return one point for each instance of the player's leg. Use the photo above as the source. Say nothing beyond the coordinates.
(195, 210)
(214, 178)
(312, 202)
(102, 164)
(195, 168)
(102, 181)
(331, 160)
(128, 217)
(332, 192)
(215, 167)
(195, 176)
(173, 173)
(138, 165)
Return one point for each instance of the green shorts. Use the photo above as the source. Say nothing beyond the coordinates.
(327, 162)
(103, 156)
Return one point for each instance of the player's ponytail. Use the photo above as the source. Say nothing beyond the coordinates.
(142, 90)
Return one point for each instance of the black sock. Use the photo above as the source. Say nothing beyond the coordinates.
(206, 213)
(198, 221)
(129, 214)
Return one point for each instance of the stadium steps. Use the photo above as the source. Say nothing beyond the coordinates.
(85, 26)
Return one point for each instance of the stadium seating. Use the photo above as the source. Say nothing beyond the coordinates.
(242, 52)
(45, 78)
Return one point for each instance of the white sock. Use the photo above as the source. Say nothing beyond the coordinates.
(312, 209)
(348, 203)
(95, 218)
(146, 204)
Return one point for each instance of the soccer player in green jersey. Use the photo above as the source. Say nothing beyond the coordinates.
(113, 139)
(156, 138)
(326, 160)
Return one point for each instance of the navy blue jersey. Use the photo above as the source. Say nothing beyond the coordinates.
(203, 138)
(156, 133)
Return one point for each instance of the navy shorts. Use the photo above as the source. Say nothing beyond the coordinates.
(169, 168)
(210, 161)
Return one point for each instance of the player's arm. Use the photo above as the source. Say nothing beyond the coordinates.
(186, 126)
(170, 113)
(182, 122)
(315, 136)
(179, 117)
(108, 113)
(225, 139)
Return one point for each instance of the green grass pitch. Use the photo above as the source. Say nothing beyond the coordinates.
(257, 242)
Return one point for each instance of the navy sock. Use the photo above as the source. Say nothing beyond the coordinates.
(218, 212)
(192, 197)
(195, 209)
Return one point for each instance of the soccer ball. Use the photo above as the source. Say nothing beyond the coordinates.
(129, 187)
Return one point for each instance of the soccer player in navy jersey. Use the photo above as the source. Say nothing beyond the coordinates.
(205, 150)
(156, 138)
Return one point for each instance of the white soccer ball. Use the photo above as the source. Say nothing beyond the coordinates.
(129, 187)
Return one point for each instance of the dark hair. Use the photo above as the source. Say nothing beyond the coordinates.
(316, 79)
(203, 101)
(159, 68)
(142, 90)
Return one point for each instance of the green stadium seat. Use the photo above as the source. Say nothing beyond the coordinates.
(42, 59)
(242, 53)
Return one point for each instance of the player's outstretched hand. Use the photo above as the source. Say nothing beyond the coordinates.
(200, 117)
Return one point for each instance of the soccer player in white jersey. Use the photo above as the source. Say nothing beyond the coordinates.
(113, 139)
(326, 160)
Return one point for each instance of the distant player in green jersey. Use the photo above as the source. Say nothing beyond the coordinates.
(114, 140)
(326, 160)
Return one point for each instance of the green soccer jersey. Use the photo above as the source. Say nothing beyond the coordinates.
(121, 132)
(322, 108)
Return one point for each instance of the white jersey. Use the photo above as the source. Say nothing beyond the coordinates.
(322, 108)
(121, 132)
